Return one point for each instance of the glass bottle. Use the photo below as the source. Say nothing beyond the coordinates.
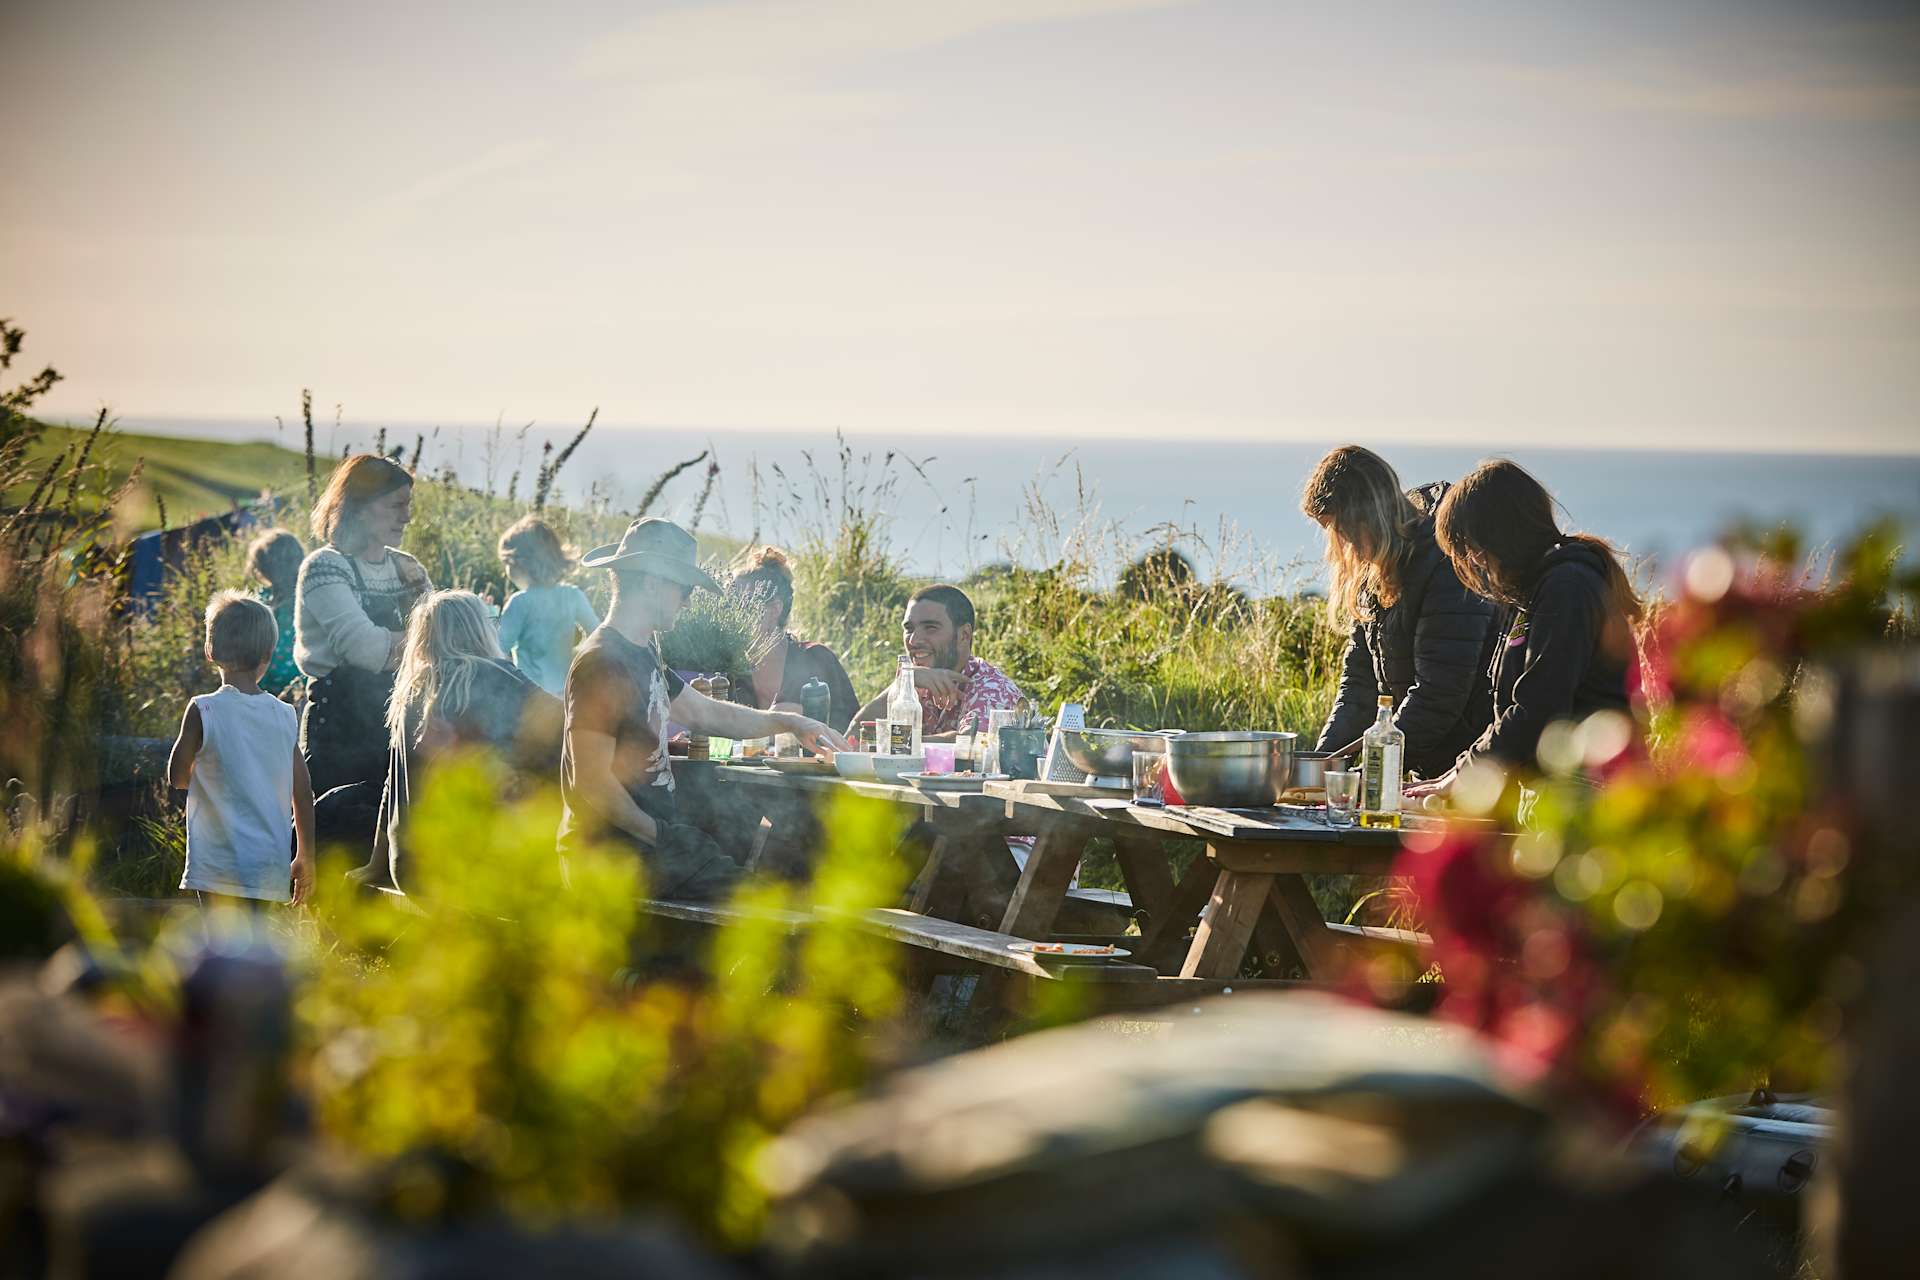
(1382, 748)
(904, 716)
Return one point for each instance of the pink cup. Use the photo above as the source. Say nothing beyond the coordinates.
(939, 756)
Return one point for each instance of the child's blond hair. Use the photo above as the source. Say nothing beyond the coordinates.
(448, 635)
(241, 632)
(531, 545)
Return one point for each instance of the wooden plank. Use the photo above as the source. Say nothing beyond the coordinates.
(1288, 857)
(1226, 924)
(1320, 951)
(1036, 899)
(717, 914)
(983, 946)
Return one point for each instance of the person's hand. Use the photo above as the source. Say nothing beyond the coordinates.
(815, 737)
(1439, 786)
(938, 681)
(302, 877)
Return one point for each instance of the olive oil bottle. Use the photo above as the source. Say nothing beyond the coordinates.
(1382, 749)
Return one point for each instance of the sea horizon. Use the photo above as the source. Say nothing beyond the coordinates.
(971, 501)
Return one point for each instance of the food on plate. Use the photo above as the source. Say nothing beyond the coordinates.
(1060, 949)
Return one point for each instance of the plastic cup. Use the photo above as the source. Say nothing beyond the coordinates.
(939, 757)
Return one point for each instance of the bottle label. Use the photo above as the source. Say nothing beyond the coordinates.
(1390, 779)
(899, 737)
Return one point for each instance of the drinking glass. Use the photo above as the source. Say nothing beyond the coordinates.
(1149, 777)
(720, 749)
(1343, 792)
(997, 719)
(939, 757)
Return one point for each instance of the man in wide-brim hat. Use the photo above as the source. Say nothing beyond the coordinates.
(615, 781)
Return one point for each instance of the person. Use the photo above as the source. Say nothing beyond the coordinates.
(1570, 638)
(1417, 634)
(274, 560)
(615, 780)
(782, 662)
(454, 690)
(956, 688)
(350, 615)
(544, 616)
(238, 760)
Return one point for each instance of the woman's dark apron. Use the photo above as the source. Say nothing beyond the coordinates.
(343, 735)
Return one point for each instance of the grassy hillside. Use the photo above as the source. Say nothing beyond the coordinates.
(194, 477)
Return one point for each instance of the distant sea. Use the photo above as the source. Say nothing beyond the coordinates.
(975, 499)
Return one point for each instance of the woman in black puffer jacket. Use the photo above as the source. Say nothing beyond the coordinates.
(1569, 639)
(1419, 636)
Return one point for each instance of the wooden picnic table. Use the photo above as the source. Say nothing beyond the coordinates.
(1247, 890)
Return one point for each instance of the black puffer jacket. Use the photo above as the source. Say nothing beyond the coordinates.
(1564, 656)
(1430, 650)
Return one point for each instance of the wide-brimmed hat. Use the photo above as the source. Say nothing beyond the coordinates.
(656, 546)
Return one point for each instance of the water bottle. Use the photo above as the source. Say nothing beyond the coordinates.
(816, 700)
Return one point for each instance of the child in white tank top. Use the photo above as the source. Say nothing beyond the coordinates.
(238, 759)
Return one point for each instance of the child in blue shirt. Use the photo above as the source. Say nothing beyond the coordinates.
(545, 617)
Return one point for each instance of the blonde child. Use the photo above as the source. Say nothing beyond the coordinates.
(539, 625)
(237, 757)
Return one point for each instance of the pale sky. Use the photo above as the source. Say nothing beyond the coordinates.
(1573, 223)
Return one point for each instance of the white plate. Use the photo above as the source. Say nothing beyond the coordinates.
(1067, 949)
(945, 781)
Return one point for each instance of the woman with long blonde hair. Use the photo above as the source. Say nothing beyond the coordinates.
(454, 689)
(1417, 634)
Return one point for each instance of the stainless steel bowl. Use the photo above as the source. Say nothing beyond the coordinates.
(1108, 753)
(1310, 769)
(1233, 770)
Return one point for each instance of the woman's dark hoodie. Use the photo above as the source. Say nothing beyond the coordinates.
(1429, 650)
(1564, 656)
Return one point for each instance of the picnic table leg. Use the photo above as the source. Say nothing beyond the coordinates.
(941, 887)
(1043, 885)
(1320, 951)
(1226, 924)
(1163, 944)
(1143, 866)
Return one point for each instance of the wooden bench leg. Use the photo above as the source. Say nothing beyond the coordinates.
(1226, 924)
(1144, 868)
(1320, 951)
(941, 888)
(1164, 943)
(1036, 899)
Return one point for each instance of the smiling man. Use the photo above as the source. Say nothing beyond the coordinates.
(956, 688)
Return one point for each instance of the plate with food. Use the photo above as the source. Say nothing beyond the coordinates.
(946, 781)
(1046, 950)
(803, 766)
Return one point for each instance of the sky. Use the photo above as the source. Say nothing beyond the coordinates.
(1564, 223)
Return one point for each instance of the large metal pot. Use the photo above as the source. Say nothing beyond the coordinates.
(1242, 770)
(1108, 753)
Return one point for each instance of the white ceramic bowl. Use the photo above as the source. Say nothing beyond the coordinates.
(856, 765)
(889, 768)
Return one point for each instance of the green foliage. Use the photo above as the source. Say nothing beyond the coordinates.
(515, 1026)
(712, 634)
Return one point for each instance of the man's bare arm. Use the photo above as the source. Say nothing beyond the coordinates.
(730, 720)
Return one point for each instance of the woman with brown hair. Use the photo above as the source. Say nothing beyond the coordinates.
(782, 662)
(350, 618)
(1418, 635)
(1570, 640)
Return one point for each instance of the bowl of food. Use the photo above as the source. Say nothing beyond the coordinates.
(857, 766)
(1108, 753)
(889, 768)
(1234, 770)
